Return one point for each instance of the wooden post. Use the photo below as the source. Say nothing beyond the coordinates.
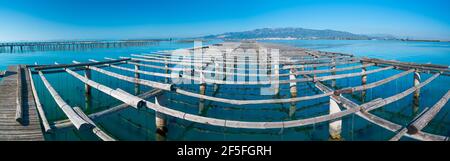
(293, 90)
(335, 126)
(235, 69)
(87, 88)
(160, 122)
(363, 82)
(201, 103)
(276, 73)
(269, 63)
(137, 89)
(315, 75)
(416, 96)
(333, 81)
(166, 66)
(216, 75)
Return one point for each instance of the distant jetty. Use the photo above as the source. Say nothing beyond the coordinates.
(421, 40)
(13, 47)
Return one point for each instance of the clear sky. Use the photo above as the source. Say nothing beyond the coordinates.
(122, 19)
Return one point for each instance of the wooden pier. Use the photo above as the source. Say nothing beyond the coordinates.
(19, 47)
(299, 65)
(16, 100)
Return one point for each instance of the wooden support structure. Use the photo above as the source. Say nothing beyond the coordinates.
(119, 94)
(293, 91)
(136, 76)
(202, 90)
(76, 120)
(87, 88)
(427, 68)
(335, 127)
(318, 59)
(66, 123)
(160, 121)
(423, 121)
(416, 96)
(39, 108)
(10, 129)
(58, 66)
(333, 68)
(363, 82)
(96, 130)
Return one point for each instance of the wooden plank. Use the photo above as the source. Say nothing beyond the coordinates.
(19, 96)
(29, 129)
(423, 121)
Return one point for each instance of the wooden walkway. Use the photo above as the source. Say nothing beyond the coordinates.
(10, 129)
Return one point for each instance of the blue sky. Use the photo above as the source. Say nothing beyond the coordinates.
(122, 19)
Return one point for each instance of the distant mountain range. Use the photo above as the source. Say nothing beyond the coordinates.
(296, 33)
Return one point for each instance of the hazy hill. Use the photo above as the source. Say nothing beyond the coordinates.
(293, 33)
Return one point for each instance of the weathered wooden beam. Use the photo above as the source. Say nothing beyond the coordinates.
(406, 66)
(119, 94)
(345, 62)
(399, 96)
(96, 130)
(350, 105)
(79, 123)
(39, 108)
(423, 121)
(19, 109)
(45, 67)
(66, 123)
(167, 87)
(403, 131)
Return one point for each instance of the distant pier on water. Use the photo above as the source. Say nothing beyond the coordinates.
(19, 47)
(22, 115)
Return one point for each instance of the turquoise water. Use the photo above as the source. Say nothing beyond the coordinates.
(131, 124)
(410, 51)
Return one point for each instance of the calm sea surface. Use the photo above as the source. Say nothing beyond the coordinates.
(131, 124)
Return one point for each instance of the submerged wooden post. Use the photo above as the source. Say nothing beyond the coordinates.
(276, 73)
(293, 90)
(136, 76)
(160, 121)
(166, 66)
(335, 126)
(416, 96)
(202, 89)
(363, 82)
(314, 75)
(216, 75)
(333, 81)
(87, 88)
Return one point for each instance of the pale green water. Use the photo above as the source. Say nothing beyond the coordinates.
(131, 124)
